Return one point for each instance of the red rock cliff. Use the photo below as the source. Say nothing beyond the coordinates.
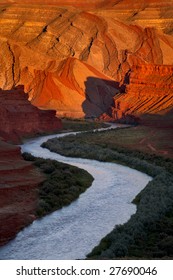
(21, 119)
(75, 61)
(150, 91)
(19, 182)
(52, 50)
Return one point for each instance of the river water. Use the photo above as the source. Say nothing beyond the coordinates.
(72, 232)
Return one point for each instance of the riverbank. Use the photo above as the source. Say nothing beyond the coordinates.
(148, 234)
(72, 232)
(63, 184)
(69, 125)
(19, 178)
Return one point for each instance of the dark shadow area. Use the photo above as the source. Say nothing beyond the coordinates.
(158, 121)
(99, 95)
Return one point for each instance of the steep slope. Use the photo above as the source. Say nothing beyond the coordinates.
(40, 43)
(96, 3)
(87, 4)
(53, 50)
(78, 90)
(20, 119)
(112, 59)
(150, 91)
(19, 182)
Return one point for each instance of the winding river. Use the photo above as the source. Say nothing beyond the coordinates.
(72, 232)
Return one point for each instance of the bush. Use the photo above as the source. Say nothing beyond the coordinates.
(153, 203)
(138, 237)
(64, 183)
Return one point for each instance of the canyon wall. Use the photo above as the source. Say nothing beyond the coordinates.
(55, 50)
(19, 182)
(21, 119)
(96, 3)
(87, 4)
(150, 91)
(109, 59)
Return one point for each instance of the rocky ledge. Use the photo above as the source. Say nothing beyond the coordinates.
(19, 118)
(149, 91)
(54, 50)
(19, 180)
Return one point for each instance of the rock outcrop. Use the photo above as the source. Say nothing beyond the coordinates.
(53, 50)
(112, 59)
(79, 90)
(150, 91)
(21, 119)
(19, 182)
(87, 4)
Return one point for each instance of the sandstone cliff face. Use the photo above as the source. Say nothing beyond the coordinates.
(21, 119)
(54, 50)
(97, 3)
(150, 91)
(87, 4)
(83, 59)
(77, 91)
(19, 182)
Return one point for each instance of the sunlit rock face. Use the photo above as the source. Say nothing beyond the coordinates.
(77, 91)
(55, 51)
(150, 91)
(111, 58)
(87, 4)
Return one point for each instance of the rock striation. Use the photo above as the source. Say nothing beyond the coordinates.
(53, 50)
(110, 59)
(19, 182)
(87, 4)
(150, 91)
(21, 119)
(79, 90)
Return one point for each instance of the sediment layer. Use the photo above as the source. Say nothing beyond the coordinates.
(53, 50)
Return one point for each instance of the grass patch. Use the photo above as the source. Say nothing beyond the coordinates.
(63, 184)
(71, 125)
(81, 125)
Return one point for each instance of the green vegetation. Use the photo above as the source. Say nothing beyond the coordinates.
(81, 125)
(71, 125)
(63, 184)
(148, 233)
(100, 146)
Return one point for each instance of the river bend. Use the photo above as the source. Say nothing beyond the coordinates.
(73, 231)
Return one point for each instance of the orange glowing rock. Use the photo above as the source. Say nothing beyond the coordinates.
(150, 91)
(57, 51)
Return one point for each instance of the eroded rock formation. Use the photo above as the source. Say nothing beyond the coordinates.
(53, 50)
(21, 119)
(19, 182)
(112, 59)
(150, 91)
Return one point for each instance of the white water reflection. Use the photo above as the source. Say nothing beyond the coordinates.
(72, 232)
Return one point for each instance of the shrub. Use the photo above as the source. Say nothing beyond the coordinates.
(64, 183)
